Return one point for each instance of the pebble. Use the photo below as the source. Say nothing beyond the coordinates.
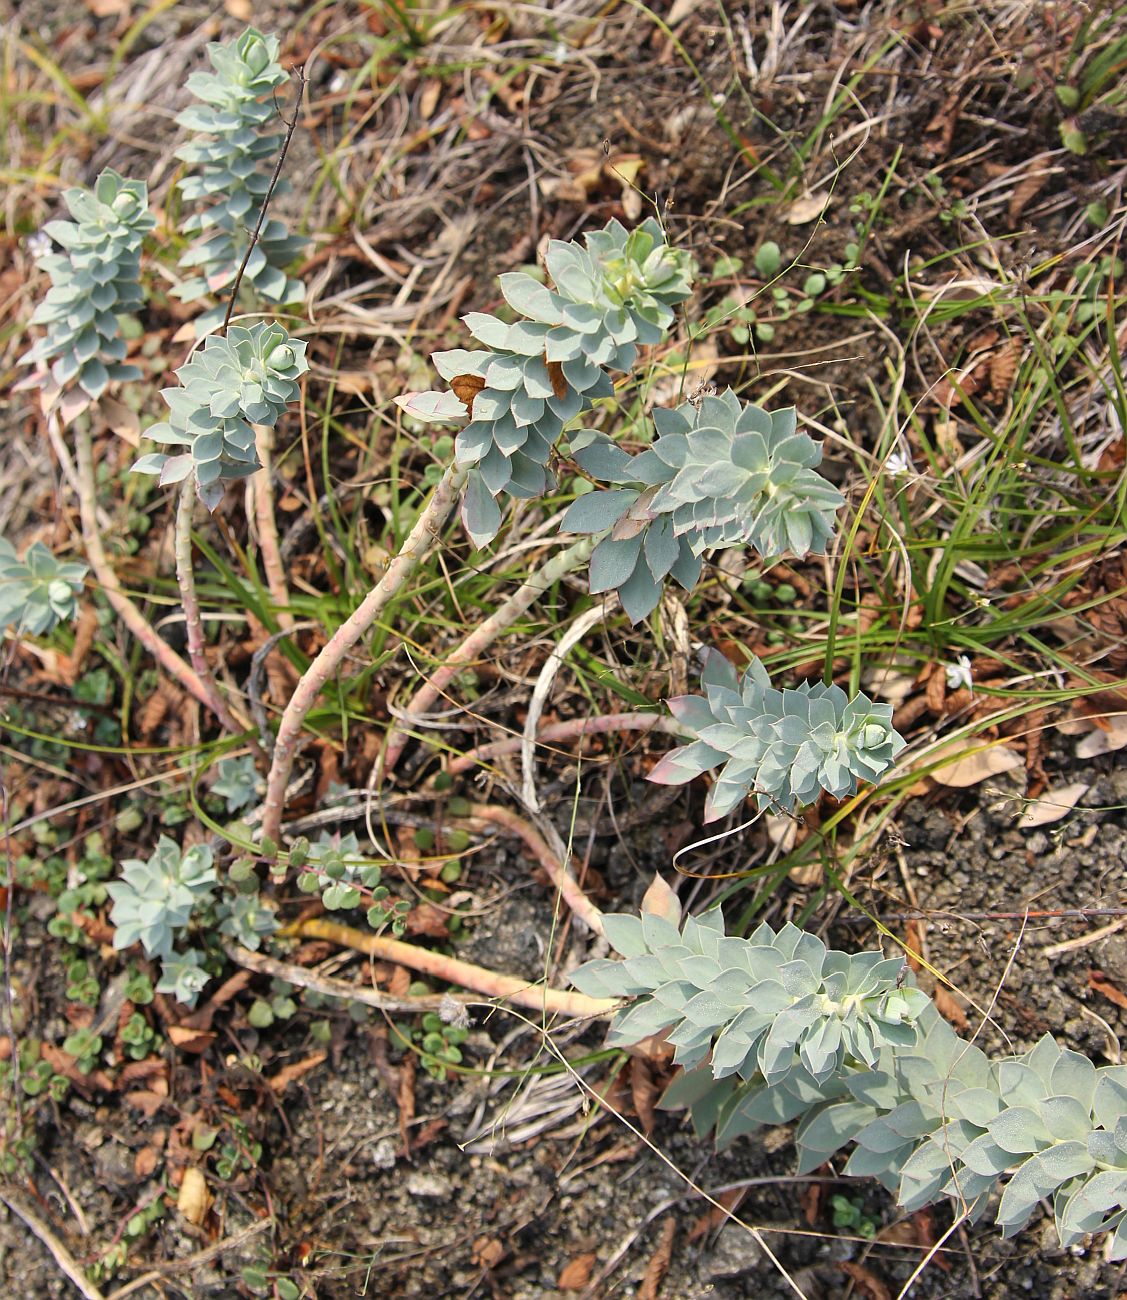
(433, 1186)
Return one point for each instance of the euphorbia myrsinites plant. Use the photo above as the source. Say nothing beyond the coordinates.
(770, 1028)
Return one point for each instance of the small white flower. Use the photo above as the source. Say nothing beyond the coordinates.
(39, 244)
(897, 464)
(959, 674)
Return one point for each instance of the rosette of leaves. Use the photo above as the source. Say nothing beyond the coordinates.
(38, 592)
(234, 170)
(246, 919)
(245, 377)
(720, 474)
(94, 280)
(536, 374)
(777, 1028)
(765, 1006)
(238, 783)
(154, 900)
(184, 976)
(783, 746)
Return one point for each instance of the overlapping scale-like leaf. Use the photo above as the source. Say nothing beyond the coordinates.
(777, 1028)
(763, 1006)
(535, 375)
(94, 280)
(232, 176)
(38, 592)
(719, 474)
(246, 377)
(783, 746)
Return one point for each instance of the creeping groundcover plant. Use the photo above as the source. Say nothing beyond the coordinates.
(770, 1028)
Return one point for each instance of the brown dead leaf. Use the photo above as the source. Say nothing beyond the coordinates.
(576, 1273)
(948, 1007)
(807, 208)
(974, 767)
(913, 945)
(936, 691)
(557, 379)
(108, 8)
(680, 10)
(465, 388)
(147, 1100)
(1109, 736)
(916, 1230)
(194, 1199)
(712, 1218)
(660, 900)
(427, 920)
(123, 421)
(1003, 367)
(187, 1039)
(1099, 981)
(643, 1092)
(658, 1266)
(487, 1252)
(810, 1198)
(429, 96)
(295, 1070)
(84, 631)
(1052, 805)
(145, 1161)
(150, 1068)
(1022, 192)
(866, 1282)
(63, 1063)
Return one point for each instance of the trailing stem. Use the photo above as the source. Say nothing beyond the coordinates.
(186, 579)
(572, 729)
(266, 526)
(129, 614)
(474, 646)
(422, 537)
(508, 988)
(556, 868)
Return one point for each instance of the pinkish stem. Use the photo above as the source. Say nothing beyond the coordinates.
(423, 536)
(475, 645)
(125, 609)
(572, 729)
(509, 988)
(558, 872)
(193, 622)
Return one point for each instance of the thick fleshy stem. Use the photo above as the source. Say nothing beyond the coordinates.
(558, 871)
(129, 614)
(572, 729)
(423, 536)
(266, 526)
(474, 646)
(490, 984)
(193, 622)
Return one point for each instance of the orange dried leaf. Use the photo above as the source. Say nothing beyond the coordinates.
(575, 1274)
(465, 388)
(557, 378)
(1098, 981)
